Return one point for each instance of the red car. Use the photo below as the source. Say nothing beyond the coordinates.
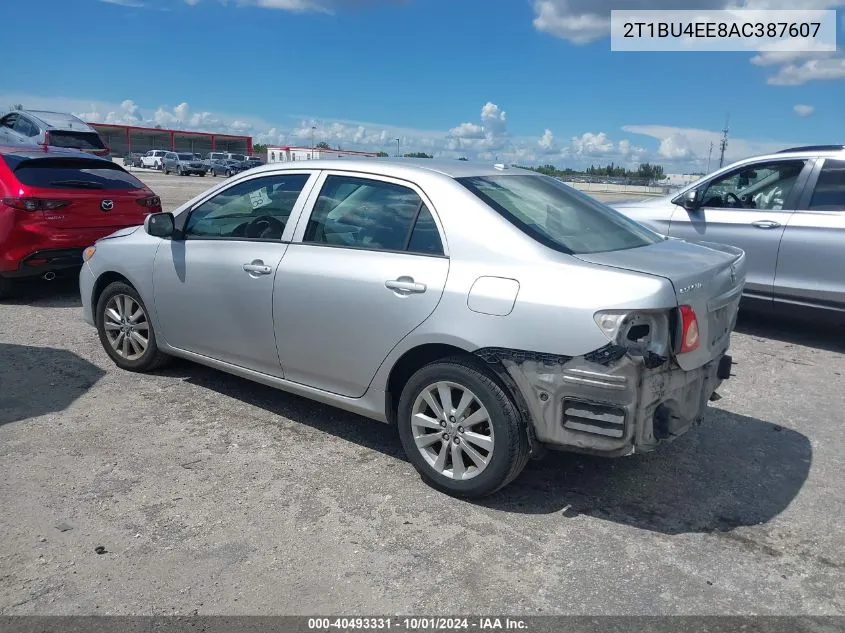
(56, 202)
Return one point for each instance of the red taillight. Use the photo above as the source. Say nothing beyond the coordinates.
(153, 203)
(35, 204)
(689, 330)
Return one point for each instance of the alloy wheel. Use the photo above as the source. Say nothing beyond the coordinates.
(452, 430)
(126, 325)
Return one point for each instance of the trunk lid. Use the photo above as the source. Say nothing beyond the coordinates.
(708, 277)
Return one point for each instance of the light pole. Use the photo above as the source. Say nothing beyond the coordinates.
(313, 127)
(397, 148)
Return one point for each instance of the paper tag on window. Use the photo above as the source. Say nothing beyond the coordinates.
(259, 198)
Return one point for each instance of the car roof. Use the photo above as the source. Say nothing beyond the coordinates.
(402, 167)
(808, 151)
(59, 120)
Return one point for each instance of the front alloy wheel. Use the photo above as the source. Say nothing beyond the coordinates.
(125, 330)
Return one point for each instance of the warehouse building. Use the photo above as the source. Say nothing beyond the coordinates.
(287, 154)
(122, 139)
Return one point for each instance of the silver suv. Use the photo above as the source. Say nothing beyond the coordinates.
(183, 163)
(785, 210)
(488, 312)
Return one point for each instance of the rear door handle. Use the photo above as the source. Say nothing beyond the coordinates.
(257, 268)
(765, 224)
(405, 284)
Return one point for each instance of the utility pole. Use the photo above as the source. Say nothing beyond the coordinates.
(724, 144)
(313, 127)
(709, 154)
(397, 148)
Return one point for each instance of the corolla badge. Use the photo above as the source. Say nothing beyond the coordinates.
(696, 286)
(107, 205)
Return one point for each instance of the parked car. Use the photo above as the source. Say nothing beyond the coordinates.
(252, 161)
(53, 129)
(488, 312)
(785, 210)
(56, 202)
(235, 157)
(153, 158)
(183, 164)
(225, 167)
(133, 159)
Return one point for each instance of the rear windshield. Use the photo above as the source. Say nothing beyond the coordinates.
(186, 156)
(77, 140)
(71, 173)
(559, 216)
(237, 157)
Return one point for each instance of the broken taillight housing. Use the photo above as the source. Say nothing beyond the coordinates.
(640, 332)
(689, 330)
(35, 204)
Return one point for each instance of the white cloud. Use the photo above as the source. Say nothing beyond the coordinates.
(696, 143)
(487, 139)
(467, 130)
(125, 3)
(810, 70)
(675, 147)
(804, 110)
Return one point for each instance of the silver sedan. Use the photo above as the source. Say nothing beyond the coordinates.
(489, 312)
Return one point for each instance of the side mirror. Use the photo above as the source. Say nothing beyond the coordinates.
(690, 200)
(160, 224)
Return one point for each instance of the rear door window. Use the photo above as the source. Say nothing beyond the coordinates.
(72, 173)
(829, 194)
(76, 140)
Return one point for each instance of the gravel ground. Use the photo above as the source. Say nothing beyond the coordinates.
(214, 495)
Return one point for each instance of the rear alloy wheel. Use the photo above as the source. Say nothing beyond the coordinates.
(461, 430)
(125, 330)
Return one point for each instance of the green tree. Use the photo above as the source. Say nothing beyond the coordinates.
(463, 158)
(322, 145)
(259, 148)
(418, 155)
(382, 154)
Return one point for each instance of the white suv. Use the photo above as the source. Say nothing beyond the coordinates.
(153, 159)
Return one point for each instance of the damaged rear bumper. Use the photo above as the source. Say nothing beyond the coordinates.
(608, 402)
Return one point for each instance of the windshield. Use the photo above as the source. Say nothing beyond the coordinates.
(237, 157)
(559, 216)
(185, 156)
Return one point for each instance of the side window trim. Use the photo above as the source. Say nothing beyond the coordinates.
(790, 204)
(290, 227)
(310, 205)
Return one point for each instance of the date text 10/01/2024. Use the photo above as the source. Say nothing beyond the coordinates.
(416, 624)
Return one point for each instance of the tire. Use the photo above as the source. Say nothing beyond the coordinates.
(7, 288)
(201, 174)
(164, 169)
(126, 356)
(504, 430)
(228, 173)
(180, 171)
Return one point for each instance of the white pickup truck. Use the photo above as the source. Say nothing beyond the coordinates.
(153, 159)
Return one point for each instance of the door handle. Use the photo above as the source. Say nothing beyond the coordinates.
(405, 284)
(257, 268)
(765, 224)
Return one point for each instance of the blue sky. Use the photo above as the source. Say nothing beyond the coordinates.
(519, 80)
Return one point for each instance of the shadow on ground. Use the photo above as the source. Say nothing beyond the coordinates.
(732, 471)
(798, 330)
(62, 292)
(39, 380)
